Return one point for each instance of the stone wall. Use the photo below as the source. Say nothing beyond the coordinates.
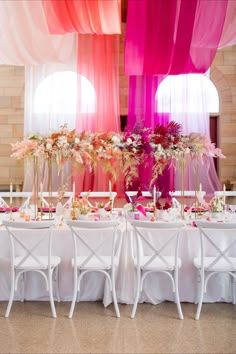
(223, 75)
(11, 121)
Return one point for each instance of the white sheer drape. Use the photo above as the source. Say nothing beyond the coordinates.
(47, 118)
(188, 100)
(25, 38)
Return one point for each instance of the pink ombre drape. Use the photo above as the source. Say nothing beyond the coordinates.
(83, 16)
(172, 37)
(97, 60)
(228, 37)
(96, 22)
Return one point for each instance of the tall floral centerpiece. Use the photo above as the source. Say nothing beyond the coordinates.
(164, 145)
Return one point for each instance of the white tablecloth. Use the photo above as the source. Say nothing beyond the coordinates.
(156, 288)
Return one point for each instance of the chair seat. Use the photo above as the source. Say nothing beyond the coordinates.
(221, 266)
(157, 263)
(95, 263)
(30, 263)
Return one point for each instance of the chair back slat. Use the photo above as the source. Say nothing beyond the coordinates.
(24, 196)
(147, 233)
(26, 239)
(94, 239)
(210, 237)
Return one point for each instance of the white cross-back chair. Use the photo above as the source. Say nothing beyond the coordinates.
(157, 252)
(31, 251)
(67, 195)
(25, 196)
(99, 195)
(145, 194)
(218, 255)
(101, 243)
(225, 194)
(190, 194)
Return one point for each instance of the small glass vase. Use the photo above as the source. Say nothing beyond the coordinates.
(216, 214)
(102, 211)
(82, 216)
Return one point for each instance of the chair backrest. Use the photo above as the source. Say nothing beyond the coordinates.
(29, 240)
(22, 195)
(99, 195)
(225, 193)
(93, 239)
(145, 194)
(157, 239)
(186, 193)
(67, 195)
(218, 241)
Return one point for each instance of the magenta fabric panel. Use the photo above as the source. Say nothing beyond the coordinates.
(170, 37)
(143, 112)
(142, 106)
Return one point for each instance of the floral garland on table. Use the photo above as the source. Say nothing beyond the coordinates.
(115, 151)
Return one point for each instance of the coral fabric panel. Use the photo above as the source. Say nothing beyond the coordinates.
(98, 61)
(83, 16)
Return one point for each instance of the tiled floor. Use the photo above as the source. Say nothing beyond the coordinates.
(95, 329)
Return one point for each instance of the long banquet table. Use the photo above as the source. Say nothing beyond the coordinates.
(156, 288)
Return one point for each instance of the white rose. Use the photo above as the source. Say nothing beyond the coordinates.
(115, 139)
(48, 146)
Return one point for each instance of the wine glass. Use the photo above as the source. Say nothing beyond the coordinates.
(232, 208)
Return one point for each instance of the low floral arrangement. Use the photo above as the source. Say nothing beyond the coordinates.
(167, 205)
(216, 204)
(119, 151)
(103, 205)
(82, 206)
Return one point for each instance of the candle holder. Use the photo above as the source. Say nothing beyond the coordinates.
(41, 209)
(155, 213)
(50, 204)
(36, 186)
(111, 205)
(182, 187)
(11, 216)
(74, 211)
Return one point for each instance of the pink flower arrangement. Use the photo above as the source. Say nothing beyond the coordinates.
(117, 151)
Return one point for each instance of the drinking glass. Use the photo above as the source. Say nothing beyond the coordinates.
(232, 207)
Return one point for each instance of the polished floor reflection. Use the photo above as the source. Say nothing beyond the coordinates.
(95, 329)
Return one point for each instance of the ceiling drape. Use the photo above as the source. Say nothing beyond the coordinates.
(25, 38)
(83, 16)
(172, 36)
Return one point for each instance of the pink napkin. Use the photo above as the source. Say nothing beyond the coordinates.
(141, 209)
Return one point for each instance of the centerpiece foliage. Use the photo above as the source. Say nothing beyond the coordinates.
(163, 145)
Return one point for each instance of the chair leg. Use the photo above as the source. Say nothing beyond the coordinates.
(72, 307)
(7, 313)
(114, 295)
(233, 289)
(201, 298)
(198, 287)
(180, 312)
(54, 315)
(22, 279)
(56, 271)
(137, 295)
